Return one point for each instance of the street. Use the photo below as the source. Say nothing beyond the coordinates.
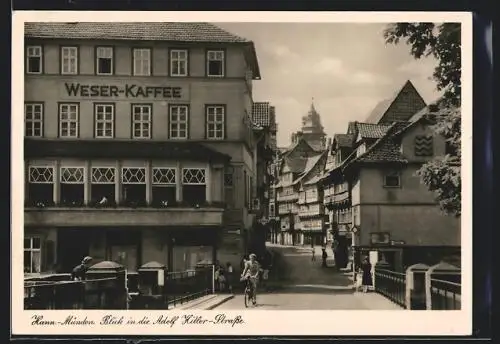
(298, 283)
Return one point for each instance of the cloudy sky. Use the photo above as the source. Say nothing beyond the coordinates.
(346, 67)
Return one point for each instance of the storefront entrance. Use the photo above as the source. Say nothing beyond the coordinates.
(124, 247)
(72, 246)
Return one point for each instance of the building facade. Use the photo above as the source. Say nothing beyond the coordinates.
(390, 213)
(139, 144)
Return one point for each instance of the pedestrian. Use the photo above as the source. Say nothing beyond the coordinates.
(222, 280)
(324, 255)
(313, 251)
(366, 269)
(229, 276)
(79, 272)
(216, 277)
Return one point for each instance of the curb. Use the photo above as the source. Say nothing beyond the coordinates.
(208, 303)
(220, 302)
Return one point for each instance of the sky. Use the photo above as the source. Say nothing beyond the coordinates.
(345, 67)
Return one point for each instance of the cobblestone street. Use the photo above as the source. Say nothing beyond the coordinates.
(298, 283)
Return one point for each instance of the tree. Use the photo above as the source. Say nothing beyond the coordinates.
(441, 175)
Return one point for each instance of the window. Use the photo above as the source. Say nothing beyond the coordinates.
(272, 211)
(69, 60)
(194, 186)
(104, 60)
(32, 255)
(141, 121)
(142, 62)
(41, 185)
(424, 145)
(34, 59)
(215, 122)
(164, 186)
(215, 63)
(392, 180)
(104, 120)
(134, 186)
(33, 120)
(178, 62)
(178, 122)
(72, 186)
(228, 187)
(103, 186)
(380, 238)
(69, 120)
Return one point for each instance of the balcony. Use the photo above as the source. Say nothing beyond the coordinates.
(288, 198)
(180, 215)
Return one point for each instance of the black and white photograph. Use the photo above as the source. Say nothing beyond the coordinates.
(239, 166)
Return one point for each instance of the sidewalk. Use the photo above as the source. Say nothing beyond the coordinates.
(205, 303)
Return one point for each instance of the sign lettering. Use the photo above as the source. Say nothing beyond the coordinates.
(128, 90)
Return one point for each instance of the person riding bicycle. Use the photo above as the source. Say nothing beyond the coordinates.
(251, 271)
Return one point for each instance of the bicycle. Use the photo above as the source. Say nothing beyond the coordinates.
(249, 294)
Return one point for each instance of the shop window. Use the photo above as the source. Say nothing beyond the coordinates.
(69, 120)
(179, 62)
(41, 186)
(69, 60)
(104, 120)
(215, 122)
(72, 186)
(380, 238)
(32, 255)
(34, 59)
(104, 60)
(134, 186)
(215, 63)
(33, 120)
(194, 187)
(164, 186)
(178, 128)
(103, 186)
(142, 62)
(141, 121)
(392, 180)
(424, 145)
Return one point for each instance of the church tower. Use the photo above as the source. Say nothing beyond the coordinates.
(312, 130)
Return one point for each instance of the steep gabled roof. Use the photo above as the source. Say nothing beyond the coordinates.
(371, 131)
(377, 114)
(343, 140)
(292, 147)
(311, 163)
(385, 149)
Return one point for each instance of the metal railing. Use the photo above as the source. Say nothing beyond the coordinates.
(107, 293)
(392, 285)
(185, 286)
(90, 294)
(445, 295)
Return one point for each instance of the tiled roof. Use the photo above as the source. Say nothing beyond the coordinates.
(296, 165)
(142, 31)
(380, 109)
(343, 140)
(385, 149)
(371, 131)
(148, 31)
(383, 106)
(310, 164)
(261, 113)
(121, 149)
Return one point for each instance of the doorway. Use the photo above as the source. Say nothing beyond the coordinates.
(72, 246)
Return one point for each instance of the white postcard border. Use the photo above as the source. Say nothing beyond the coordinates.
(275, 323)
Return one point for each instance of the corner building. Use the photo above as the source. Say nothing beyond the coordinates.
(138, 144)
